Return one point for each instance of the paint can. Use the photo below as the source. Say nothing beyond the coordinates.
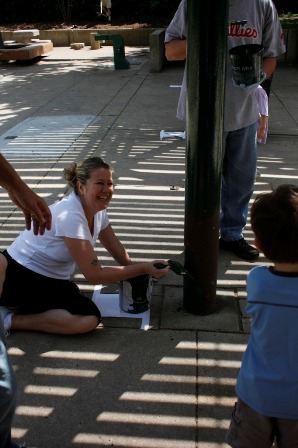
(246, 63)
(135, 294)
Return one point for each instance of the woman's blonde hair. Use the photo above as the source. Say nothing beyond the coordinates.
(82, 171)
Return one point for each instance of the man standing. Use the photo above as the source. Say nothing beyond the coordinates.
(250, 22)
(37, 214)
(106, 8)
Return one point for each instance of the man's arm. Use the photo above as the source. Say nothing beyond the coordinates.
(176, 50)
(34, 207)
(268, 66)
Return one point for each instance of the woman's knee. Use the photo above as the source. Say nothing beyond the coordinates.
(85, 324)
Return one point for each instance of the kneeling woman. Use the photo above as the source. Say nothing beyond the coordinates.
(35, 270)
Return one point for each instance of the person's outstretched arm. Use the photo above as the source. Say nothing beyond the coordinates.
(35, 208)
(88, 263)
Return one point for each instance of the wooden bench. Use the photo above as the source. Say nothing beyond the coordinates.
(24, 47)
(22, 52)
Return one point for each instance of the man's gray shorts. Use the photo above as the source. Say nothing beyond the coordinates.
(250, 429)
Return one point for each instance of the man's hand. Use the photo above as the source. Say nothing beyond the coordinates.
(251, 86)
(35, 209)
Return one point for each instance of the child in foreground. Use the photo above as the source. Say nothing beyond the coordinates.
(267, 383)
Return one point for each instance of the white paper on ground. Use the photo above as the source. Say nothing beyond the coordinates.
(109, 306)
(166, 134)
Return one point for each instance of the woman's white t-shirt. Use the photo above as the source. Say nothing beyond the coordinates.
(47, 254)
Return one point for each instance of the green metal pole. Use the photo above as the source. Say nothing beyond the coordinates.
(205, 65)
(120, 61)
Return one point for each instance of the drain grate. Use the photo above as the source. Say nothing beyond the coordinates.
(44, 137)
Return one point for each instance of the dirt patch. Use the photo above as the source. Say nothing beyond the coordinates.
(84, 25)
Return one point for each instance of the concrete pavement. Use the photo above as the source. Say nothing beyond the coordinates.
(173, 385)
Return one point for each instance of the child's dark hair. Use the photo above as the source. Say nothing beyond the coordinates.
(82, 171)
(274, 221)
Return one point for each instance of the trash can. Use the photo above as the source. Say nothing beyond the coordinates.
(135, 294)
(247, 64)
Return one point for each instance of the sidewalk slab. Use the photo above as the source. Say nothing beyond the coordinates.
(173, 385)
(126, 388)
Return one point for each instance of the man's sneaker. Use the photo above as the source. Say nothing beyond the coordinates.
(240, 248)
(6, 315)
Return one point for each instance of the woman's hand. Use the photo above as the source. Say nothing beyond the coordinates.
(155, 270)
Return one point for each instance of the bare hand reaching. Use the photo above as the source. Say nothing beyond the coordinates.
(34, 207)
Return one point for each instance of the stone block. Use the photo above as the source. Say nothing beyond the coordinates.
(95, 44)
(25, 52)
(157, 50)
(25, 36)
(77, 45)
